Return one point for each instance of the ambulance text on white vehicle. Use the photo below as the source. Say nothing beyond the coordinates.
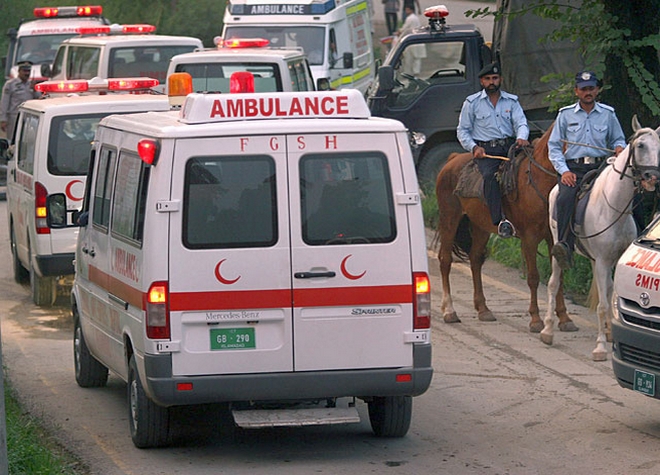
(36, 40)
(335, 35)
(265, 250)
(636, 310)
(51, 156)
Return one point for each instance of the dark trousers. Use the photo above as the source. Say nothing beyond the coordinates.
(391, 19)
(488, 167)
(565, 203)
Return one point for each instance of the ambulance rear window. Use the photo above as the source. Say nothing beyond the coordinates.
(346, 199)
(214, 77)
(70, 142)
(149, 61)
(230, 202)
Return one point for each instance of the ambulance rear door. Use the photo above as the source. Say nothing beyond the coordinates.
(352, 275)
(230, 271)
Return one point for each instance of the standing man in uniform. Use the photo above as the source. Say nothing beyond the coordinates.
(491, 121)
(578, 142)
(14, 93)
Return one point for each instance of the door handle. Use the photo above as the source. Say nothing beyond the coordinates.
(92, 252)
(313, 275)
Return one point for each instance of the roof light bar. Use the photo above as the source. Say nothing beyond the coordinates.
(96, 85)
(63, 87)
(245, 43)
(117, 29)
(131, 84)
(70, 11)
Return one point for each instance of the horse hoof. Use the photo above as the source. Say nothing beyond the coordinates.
(535, 327)
(599, 355)
(486, 316)
(568, 326)
(547, 339)
(451, 318)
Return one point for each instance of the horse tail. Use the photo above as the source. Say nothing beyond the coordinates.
(463, 239)
(592, 299)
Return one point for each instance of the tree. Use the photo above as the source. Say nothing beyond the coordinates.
(619, 41)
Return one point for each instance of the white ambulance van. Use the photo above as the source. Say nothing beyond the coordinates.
(37, 39)
(334, 34)
(265, 250)
(636, 310)
(51, 156)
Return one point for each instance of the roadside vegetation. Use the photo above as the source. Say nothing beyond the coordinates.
(32, 450)
(577, 280)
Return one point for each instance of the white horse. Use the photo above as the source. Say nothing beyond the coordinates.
(608, 226)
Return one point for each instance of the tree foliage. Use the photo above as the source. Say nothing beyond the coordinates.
(618, 40)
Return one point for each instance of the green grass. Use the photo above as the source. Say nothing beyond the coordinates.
(31, 449)
(577, 280)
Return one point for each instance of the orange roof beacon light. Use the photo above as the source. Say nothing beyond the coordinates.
(70, 11)
(179, 85)
(241, 82)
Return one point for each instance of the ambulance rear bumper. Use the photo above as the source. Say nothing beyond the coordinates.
(162, 387)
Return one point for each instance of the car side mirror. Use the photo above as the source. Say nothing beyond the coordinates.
(348, 60)
(46, 71)
(323, 84)
(385, 79)
(4, 149)
(57, 215)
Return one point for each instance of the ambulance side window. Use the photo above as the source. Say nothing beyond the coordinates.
(130, 198)
(346, 199)
(27, 142)
(69, 143)
(83, 62)
(230, 202)
(103, 189)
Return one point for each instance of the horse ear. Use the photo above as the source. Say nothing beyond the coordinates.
(635, 123)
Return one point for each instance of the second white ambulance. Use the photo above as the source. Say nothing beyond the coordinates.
(265, 250)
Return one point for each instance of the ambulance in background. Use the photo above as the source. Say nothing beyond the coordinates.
(262, 250)
(334, 34)
(37, 40)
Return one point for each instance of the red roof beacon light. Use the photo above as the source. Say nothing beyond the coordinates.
(240, 82)
(131, 84)
(245, 43)
(148, 151)
(437, 16)
(62, 87)
(61, 12)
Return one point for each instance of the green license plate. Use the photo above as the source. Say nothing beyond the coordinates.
(644, 383)
(232, 338)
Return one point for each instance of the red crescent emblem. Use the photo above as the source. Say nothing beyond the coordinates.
(347, 274)
(68, 192)
(222, 279)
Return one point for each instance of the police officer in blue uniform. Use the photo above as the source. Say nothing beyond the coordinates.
(576, 144)
(491, 121)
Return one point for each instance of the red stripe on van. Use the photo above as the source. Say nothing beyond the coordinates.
(342, 296)
(182, 301)
(116, 287)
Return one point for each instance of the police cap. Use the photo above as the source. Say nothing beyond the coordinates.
(492, 68)
(25, 65)
(585, 79)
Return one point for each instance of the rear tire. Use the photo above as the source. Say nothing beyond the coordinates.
(44, 289)
(149, 422)
(433, 161)
(390, 416)
(21, 274)
(90, 373)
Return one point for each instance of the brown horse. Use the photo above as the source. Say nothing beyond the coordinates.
(466, 224)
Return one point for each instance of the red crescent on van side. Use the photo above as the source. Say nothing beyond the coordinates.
(67, 190)
(221, 278)
(347, 274)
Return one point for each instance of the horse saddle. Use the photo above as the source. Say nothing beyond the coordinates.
(471, 182)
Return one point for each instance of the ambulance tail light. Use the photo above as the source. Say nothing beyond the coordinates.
(240, 82)
(421, 301)
(63, 87)
(148, 151)
(157, 311)
(244, 43)
(179, 85)
(53, 12)
(40, 209)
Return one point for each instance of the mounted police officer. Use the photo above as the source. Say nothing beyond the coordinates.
(491, 121)
(14, 93)
(579, 142)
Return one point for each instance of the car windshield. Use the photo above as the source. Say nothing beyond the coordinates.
(39, 49)
(309, 38)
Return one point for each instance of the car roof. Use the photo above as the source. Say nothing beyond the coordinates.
(97, 103)
(133, 40)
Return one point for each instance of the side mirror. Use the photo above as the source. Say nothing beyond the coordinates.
(323, 84)
(46, 71)
(348, 60)
(385, 79)
(4, 148)
(57, 215)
